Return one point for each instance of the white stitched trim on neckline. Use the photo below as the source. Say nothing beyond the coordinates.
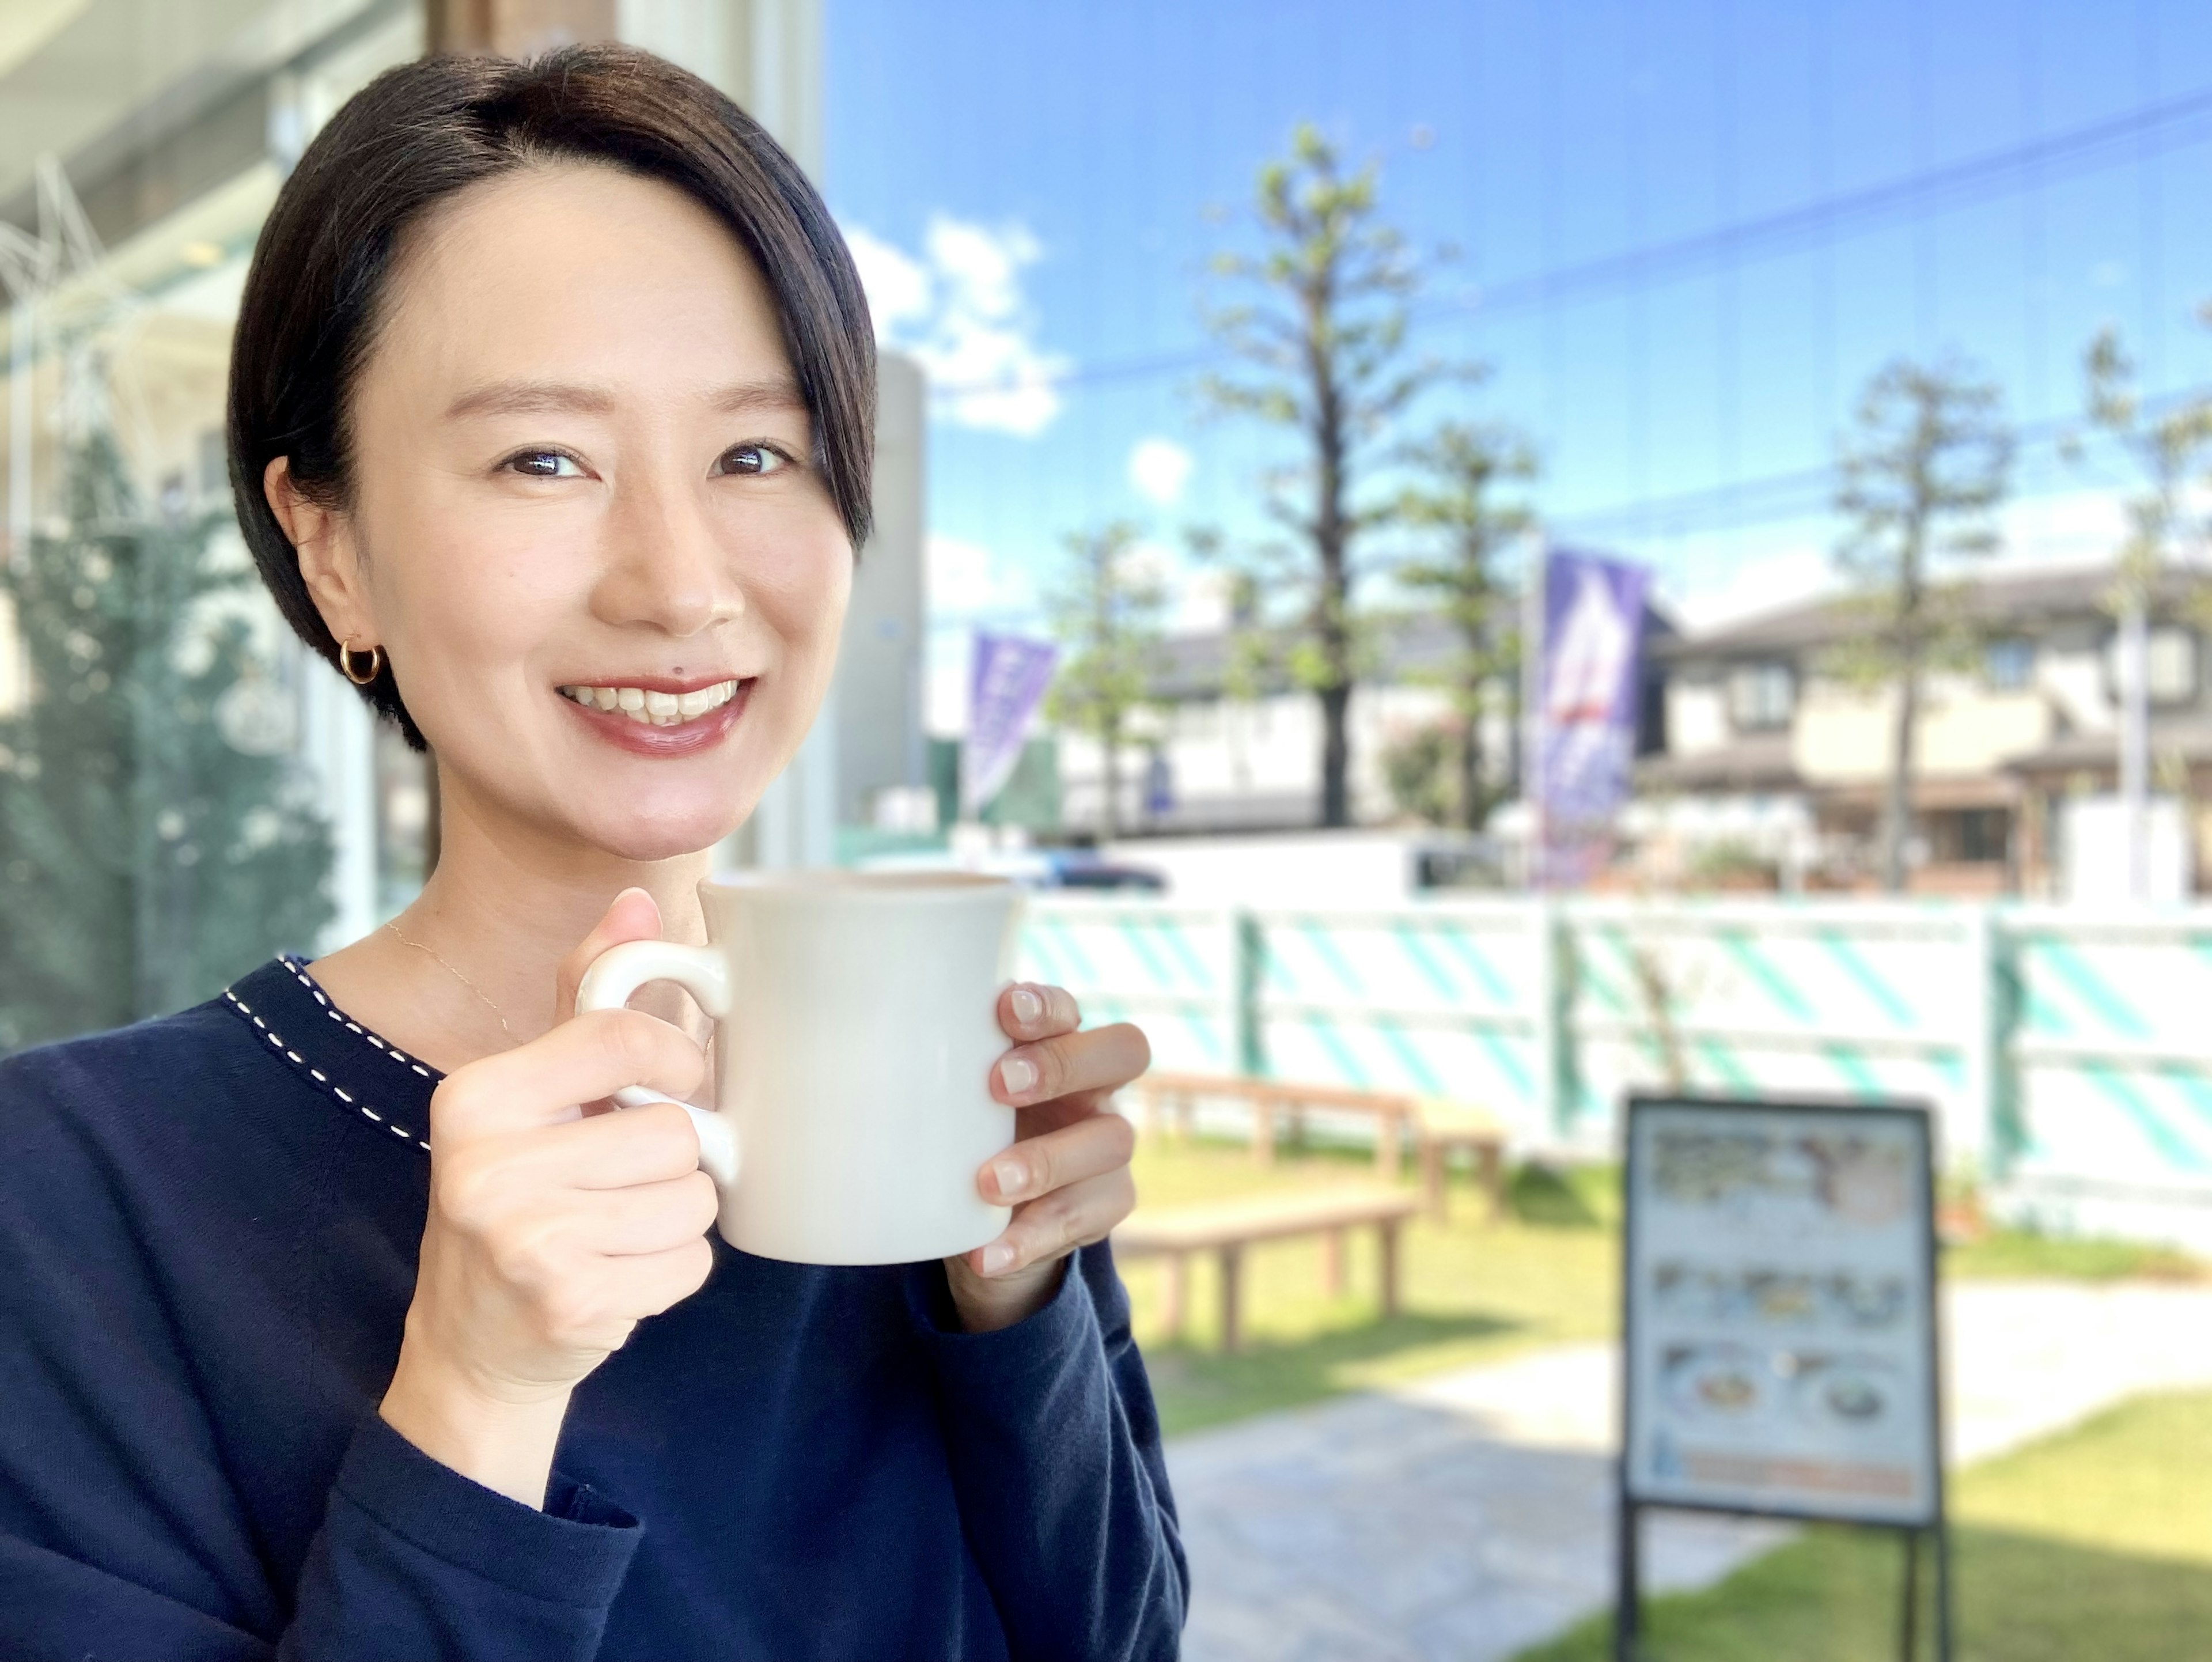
(294, 1057)
(300, 974)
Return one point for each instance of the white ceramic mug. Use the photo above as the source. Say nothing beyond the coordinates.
(858, 1030)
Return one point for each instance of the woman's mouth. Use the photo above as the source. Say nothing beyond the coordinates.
(662, 720)
(651, 707)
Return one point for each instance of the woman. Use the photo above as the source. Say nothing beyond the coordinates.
(335, 1329)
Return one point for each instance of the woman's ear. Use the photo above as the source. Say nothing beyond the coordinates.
(322, 538)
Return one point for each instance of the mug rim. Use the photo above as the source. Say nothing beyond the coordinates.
(837, 883)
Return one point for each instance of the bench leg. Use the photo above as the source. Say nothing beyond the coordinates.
(1387, 1152)
(1432, 1176)
(1178, 1293)
(1493, 1158)
(1390, 1232)
(1232, 1274)
(1332, 1262)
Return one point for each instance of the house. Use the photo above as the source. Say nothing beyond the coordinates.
(2016, 751)
(1231, 742)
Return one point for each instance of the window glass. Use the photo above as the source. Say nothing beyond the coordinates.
(2009, 664)
(1761, 696)
(2173, 665)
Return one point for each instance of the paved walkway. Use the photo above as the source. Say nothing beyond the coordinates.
(1465, 1516)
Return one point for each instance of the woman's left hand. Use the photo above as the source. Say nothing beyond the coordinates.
(1067, 1174)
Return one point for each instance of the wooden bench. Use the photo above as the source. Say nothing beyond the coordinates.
(1226, 1229)
(1268, 1097)
(1438, 1126)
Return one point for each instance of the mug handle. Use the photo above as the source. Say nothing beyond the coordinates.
(620, 970)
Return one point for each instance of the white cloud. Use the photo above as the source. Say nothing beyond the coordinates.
(966, 580)
(1159, 468)
(959, 310)
(897, 284)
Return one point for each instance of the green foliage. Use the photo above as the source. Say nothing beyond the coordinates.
(1458, 470)
(1417, 765)
(1108, 612)
(1926, 464)
(144, 862)
(1321, 336)
(2172, 454)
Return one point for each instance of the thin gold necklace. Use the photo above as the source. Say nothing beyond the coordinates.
(434, 953)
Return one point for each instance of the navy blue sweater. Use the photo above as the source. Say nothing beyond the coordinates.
(208, 1236)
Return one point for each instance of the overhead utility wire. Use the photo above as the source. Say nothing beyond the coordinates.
(1800, 493)
(2101, 144)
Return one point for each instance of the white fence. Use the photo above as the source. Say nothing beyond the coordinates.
(2068, 1054)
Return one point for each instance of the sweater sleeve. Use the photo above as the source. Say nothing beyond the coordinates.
(413, 1560)
(125, 1529)
(416, 1560)
(1057, 1462)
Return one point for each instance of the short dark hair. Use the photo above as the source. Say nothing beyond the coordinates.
(420, 132)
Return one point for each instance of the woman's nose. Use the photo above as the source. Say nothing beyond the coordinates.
(664, 568)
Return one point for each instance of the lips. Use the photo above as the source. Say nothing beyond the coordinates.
(659, 720)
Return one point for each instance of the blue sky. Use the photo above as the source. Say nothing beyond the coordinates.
(1035, 186)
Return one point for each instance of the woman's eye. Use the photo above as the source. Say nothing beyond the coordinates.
(545, 464)
(752, 458)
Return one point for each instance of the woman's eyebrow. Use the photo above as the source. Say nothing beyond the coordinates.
(777, 395)
(519, 397)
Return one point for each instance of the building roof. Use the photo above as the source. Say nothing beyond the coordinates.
(1408, 647)
(2019, 601)
(2189, 739)
(1759, 763)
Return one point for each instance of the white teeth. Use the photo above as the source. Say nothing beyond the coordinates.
(653, 709)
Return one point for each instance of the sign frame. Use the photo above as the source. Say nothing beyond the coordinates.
(1629, 1505)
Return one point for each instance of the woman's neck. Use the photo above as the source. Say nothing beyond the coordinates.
(472, 966)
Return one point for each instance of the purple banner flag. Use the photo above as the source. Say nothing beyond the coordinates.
(1006, 683)
(1592, 678)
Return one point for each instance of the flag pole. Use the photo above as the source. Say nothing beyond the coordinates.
(1534, 572)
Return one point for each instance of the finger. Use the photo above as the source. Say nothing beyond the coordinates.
(653, 1281)
(647, 1217)
(1029, 1009)
(633, 915)
(1065, 1219)
(542, 1082)
(651, 1144)
(1093, 1146)
(1100, 1059)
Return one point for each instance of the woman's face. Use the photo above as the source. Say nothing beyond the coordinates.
(587, 525)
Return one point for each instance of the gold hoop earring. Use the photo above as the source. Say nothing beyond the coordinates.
(345, 664)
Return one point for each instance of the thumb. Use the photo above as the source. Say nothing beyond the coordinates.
(633, 916)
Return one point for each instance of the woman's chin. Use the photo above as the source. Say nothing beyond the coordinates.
(646, 830)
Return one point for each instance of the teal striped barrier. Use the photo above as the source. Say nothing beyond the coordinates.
(2068, 1055)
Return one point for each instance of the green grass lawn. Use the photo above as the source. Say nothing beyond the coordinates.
(2093, 1546)
(1473, 1291)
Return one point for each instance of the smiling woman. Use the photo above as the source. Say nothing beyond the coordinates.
(348, 1324)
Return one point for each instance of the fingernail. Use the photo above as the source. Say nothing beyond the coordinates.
(1018, 1074)
(1011, 1176)
(1028, 1006)
(996, 1257)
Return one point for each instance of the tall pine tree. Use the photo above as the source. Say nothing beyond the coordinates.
(156, 838)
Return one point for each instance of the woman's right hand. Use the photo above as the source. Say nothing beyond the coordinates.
(553, 1230)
